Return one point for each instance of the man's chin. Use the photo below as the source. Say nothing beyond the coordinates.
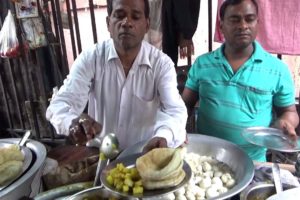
(243, 44)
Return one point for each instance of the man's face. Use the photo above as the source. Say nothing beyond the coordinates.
(127, 23)
(240, 24)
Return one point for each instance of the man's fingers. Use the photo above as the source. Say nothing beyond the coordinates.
(157, 142)
(87, 124)
(162, 142)
(290, 131)
(77, 134)
(186, 51)
(183, 52)
(192, 50)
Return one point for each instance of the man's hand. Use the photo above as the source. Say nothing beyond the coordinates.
(186, 47)
(286, 127)
(83, 128)
(156, 142)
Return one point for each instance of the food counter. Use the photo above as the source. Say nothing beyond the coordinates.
(223, 151)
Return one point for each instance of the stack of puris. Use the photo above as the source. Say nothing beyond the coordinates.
(11, 162)
(161, 168)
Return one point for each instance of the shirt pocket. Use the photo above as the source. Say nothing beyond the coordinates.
(144, 111)
(255, 101)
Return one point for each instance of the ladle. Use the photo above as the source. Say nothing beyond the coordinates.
(109, 149)
(24, 138)
(276, 177)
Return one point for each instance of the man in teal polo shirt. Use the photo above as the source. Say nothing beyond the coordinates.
(240, 84)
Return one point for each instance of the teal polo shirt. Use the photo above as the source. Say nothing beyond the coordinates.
(230, 102)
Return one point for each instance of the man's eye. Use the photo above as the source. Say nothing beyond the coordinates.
(136, 16)
(234, 20)
(119, 15)
(250, 19)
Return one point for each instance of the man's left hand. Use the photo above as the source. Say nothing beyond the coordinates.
(286, 127)
(156, 142)
(186, 47)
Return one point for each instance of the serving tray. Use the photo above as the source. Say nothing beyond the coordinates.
(26, 163)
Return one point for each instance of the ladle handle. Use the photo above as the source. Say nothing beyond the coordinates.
(102, 163)
(24, 138)
(276, 177)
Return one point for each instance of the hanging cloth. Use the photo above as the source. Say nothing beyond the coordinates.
(279, 26)
(154, 35)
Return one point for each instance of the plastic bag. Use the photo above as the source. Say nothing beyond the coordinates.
(9, 44)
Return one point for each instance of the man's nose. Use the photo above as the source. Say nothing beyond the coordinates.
(126, 22)
(243, 24)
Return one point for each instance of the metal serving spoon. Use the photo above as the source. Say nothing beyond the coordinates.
(24, 138)
(109, 149)
(276, 177)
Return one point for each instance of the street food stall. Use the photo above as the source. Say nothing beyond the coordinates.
(50, 168)
(212, 155)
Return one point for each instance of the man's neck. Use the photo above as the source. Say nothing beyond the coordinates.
(237, 57)
(238, 54)
(127, 57)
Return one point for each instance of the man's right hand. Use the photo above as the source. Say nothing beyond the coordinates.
(83, 128)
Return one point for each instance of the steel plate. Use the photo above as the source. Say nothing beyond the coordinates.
(271, 138)
(26, 163)
(129, 162)
(222, 150)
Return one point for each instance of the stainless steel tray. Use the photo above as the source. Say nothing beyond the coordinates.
(220, 149)
(26, 163)
(129, 161)
(271, 138)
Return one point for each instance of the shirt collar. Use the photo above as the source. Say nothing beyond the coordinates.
(257, 55)
(142, 59)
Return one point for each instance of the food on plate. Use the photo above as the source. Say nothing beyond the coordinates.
(11, 162)
(210, 178)
(161, 168)
(10, 153)
(10, 170)
(125, 179)
(164, 183)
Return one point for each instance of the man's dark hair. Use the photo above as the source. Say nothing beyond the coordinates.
(227, 3)
(110, 7)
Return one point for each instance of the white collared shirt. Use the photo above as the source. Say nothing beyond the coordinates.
(144, 104)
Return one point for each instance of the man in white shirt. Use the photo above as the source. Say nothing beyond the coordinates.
(130, 87)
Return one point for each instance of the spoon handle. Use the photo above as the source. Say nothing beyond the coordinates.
(24, 138)
(102, 163)
(276, 177)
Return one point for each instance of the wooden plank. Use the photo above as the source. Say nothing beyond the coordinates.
(4, 109)
(12, 97)
(288, 167)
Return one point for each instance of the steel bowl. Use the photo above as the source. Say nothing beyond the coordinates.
(258, 191)
(97, 193)
(220, 149)
(22, 186)
(262, 190)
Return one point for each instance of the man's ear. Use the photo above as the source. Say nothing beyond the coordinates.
(107, 22)
(221, 25)
(148, 25)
